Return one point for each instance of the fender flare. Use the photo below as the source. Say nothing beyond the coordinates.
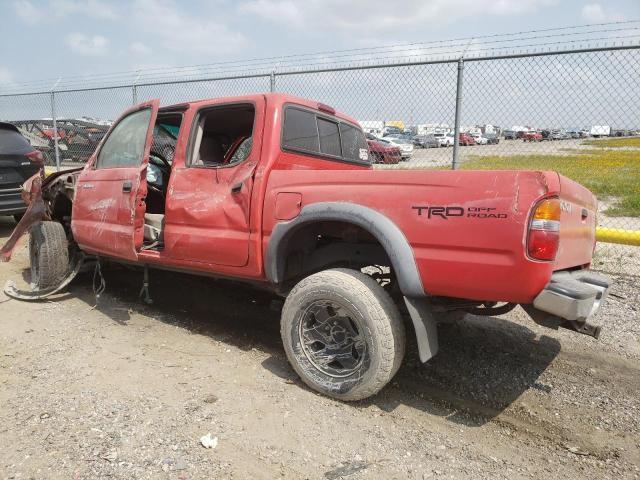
(380, 226)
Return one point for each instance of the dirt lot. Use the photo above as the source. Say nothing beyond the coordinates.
(124, 390)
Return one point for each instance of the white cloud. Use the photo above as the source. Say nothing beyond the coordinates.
(365, 17)
(27, 12)
(594, 13)
(6, 76)
(206, 34)
(139, 48)
(89, 8)
(88, 45)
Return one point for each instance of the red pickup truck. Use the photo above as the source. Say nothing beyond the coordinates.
(278, 191)
(532, 137)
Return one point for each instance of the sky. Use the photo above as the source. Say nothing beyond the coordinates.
(44, 40)
(52, 38)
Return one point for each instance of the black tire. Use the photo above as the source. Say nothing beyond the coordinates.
(49, 254)
(370, 312)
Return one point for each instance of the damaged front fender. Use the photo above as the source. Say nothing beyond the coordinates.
(36, 212)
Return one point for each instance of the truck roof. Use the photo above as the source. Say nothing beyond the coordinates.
(273, 99)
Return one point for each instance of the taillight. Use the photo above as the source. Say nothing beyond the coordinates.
(544, 230)
(35, 156)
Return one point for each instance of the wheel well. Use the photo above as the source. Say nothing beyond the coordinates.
(327, 244)
(61, 209)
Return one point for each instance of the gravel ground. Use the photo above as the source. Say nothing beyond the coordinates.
(122, 390)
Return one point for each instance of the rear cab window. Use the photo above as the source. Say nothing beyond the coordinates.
(310, 132)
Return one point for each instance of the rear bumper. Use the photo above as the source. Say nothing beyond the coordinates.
(11, 202)
(571, 299)
(573, 295)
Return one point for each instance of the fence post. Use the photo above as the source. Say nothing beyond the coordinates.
(272, 81)
(456, 128)
(134, 89)
(55, 130)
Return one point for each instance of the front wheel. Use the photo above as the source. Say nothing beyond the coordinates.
(49, 254)
(342, 334)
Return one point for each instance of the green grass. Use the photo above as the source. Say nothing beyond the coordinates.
(614, 142)
(604, 172)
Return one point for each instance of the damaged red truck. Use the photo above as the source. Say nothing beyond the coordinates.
(278, 191)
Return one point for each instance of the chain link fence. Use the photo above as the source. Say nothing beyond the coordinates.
(575, 111)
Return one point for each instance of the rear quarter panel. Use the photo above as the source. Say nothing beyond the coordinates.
(475, 249)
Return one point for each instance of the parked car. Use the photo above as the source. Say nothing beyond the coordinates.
(444, 140)
(479, 139)
(80, 147)
(391, 130)
(466, 140)
(405, 146)
(18, 161)
(546, 135)
(492, 138)
(556, 135)
(382, 152)
(426, 141)
(532, 136)
(573, 133)
(277, 191)
(510, 134)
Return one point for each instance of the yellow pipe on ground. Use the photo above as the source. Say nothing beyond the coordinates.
(618, 235)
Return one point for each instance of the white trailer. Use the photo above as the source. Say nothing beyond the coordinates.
(600, 131)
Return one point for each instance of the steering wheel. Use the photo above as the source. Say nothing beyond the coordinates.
(162, 159)
(166, 165)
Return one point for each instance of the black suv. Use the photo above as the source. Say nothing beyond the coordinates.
(18, 161)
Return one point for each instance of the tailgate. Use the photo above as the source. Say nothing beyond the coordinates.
(578, 207)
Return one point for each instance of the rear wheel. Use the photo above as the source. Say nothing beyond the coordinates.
(342, 334)
(49, 254)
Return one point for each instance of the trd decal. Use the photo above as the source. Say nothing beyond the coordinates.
(446, 212)
(442, 212)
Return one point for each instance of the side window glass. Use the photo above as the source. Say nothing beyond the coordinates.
(354, 145)
(300, 131)
(125, 145)
(329, 138)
